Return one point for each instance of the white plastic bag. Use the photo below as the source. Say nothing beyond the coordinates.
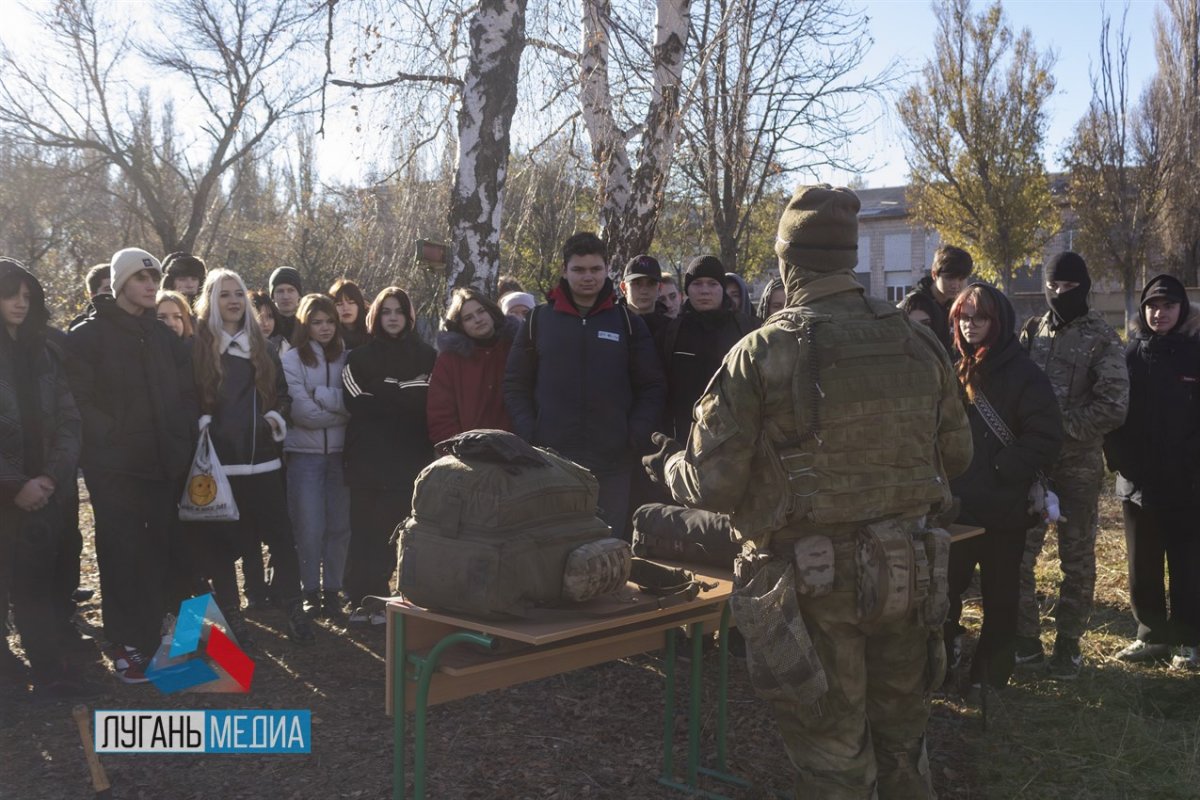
(207, 495)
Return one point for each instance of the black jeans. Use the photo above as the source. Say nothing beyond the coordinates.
(135, 519)
(41, 544)
(66, 573)
(262, 516)
(998, 554)
(371, 561)
(1150, 536)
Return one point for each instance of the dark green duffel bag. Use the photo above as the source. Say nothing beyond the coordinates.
(495, 523)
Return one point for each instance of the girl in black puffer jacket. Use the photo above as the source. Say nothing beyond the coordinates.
(994, 370)
(1156, 455)
(385, 387)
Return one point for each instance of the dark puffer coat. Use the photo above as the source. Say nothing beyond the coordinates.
(40, 431)
(1156, 452)
(132, 379)
(590, 387)
(693, 346)
(386, 385)
(995, 487)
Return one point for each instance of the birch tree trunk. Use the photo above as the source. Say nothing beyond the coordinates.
(489, 98)
(631, 197)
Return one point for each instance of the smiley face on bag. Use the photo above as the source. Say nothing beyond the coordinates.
(202, 489)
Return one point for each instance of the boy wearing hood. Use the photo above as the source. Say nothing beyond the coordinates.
(833, 419)
(583, 378)
(132, 378)
(1083, 358)
(1156, 455)
(39, 453)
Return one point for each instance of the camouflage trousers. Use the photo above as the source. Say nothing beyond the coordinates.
(866, 737)
(1077, 478)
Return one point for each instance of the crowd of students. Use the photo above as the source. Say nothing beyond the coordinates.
(323, 408)
(1049, 401)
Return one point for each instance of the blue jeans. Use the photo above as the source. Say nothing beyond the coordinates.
(319, 505)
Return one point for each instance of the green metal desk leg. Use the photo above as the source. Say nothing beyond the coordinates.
(723, 707)
(696, 630)
(426, 666)
(668, 768)
(399, 687)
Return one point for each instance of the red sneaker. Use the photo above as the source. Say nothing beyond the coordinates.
(129, 664)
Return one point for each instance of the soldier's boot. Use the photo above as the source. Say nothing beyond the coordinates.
(1067, 661)
(1029, 652)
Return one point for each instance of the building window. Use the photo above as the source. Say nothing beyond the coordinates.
(896, 293)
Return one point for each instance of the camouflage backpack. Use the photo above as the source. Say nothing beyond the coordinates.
(500, 528)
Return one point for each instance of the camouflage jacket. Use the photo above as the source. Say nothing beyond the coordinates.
(1086, 366)
(892, 426)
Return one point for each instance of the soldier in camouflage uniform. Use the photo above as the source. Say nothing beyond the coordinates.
(1084, 360)
(837, 420)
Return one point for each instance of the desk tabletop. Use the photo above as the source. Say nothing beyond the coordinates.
(624, 608)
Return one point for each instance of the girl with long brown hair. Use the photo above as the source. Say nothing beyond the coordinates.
(1016, 430)
(318, 498)
(387, 444)
(172, 310)
(245, 400)
(351, 307)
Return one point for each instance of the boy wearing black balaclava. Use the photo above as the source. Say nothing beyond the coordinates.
(1082, 356)
(1155, 455)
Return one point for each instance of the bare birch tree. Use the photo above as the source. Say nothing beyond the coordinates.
(481, 94)
(630, 190)
(237, 58)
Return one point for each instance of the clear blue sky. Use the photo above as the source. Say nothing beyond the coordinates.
(904, 29)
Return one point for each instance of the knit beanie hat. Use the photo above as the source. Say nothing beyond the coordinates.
(510, 300)
(818, 230)
(643, 267)
(288, 275)
(129, 262)
(184, 265)
(704, 267)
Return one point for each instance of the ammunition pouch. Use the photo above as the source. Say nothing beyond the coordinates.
(888, 572)
(936, 544)
(780, 655)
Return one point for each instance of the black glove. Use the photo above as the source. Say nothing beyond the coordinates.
(655, 463)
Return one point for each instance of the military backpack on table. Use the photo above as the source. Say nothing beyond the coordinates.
(500, 528)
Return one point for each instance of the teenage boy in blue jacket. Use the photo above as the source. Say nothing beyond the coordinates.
(584, 379)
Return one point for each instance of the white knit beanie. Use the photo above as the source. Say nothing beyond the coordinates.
(129, 262)
(516, 299)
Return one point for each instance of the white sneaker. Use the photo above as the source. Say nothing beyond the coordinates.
(1188, 658)
(360, 617)
(1140, 652)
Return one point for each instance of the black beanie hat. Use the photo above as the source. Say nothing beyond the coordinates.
(704, 267)
(288, 275)
(184, 265)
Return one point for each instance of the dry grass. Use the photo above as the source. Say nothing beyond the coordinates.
(1118, 732)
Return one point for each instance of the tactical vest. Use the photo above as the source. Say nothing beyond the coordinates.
(856, 440)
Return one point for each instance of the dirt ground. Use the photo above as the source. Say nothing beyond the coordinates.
(593, 733)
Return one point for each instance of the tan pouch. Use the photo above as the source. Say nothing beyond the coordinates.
(595, 568)
(936, 542)
(886, 572)
(813, 556)
(780, 655)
